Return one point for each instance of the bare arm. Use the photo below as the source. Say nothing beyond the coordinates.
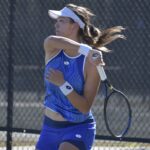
(57, 42)
(82, 102)
(53, 44)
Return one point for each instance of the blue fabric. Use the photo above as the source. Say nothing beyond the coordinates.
(63, 124)
(72, 69)
(81, 135)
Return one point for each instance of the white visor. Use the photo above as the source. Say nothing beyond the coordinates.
(66, 12)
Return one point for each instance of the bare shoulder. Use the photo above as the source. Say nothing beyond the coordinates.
(49, 45)
(50, 55)
(50, 51)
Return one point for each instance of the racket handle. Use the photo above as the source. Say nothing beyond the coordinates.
(101, 72)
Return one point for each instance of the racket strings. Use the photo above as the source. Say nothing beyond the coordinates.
(117, 113)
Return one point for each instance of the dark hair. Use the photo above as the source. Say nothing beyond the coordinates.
(92, 35)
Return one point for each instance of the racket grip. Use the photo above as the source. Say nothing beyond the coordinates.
(101, 72)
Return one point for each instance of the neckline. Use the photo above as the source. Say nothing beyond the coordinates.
(72, 57)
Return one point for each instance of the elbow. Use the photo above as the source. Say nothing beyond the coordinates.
(87, 106)
(85, 110)
(49, 42)
(49, 39)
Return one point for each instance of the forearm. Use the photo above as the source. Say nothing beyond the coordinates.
(79, 102)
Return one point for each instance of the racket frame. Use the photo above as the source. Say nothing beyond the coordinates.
(113, 90)
(107, 96)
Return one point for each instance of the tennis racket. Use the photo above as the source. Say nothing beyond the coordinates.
(117, 110)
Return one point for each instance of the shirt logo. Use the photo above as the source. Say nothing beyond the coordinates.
(66, 62)
(78, 136)
(68, 87)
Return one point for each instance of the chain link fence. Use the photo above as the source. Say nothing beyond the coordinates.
(24, 24)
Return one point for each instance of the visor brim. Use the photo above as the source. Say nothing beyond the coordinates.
(54, 14)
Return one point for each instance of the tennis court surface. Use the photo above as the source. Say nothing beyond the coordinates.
(95, 148)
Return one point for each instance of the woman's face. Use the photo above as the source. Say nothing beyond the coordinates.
(63, 27)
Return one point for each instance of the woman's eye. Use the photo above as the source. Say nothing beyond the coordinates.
(61, 20)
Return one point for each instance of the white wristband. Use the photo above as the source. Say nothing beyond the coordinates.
(66, 88)
(84, 49)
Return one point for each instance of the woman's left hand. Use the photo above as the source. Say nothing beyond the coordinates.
(55, 76)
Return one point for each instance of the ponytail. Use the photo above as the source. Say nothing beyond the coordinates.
(97, 38)
(90, 34)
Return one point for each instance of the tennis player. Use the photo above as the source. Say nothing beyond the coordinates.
(71, 79)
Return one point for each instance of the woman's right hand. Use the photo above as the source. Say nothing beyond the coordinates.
(95, 57)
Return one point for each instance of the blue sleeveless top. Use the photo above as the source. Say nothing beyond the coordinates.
(73, 71)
